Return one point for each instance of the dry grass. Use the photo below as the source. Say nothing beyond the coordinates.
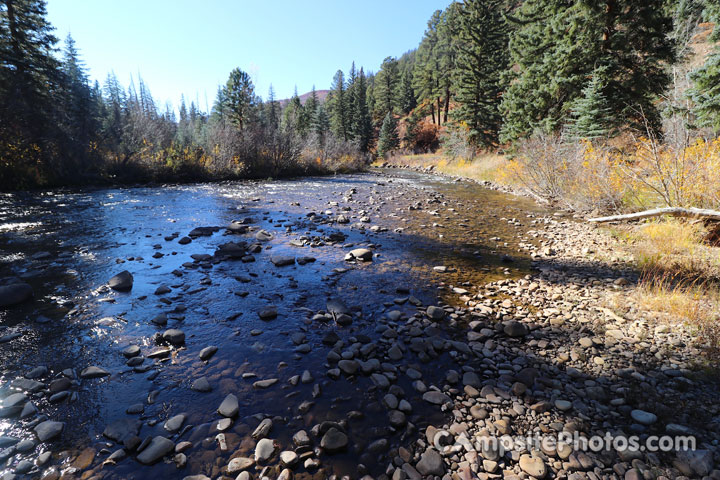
(484, 167)
(696, 304)
(676, 248)
(681, 276)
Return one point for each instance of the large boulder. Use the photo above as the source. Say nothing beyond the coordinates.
(14, 294)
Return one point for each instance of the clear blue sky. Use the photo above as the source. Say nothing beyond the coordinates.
(189, 47)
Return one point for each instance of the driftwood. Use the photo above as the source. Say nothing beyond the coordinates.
(673, 211)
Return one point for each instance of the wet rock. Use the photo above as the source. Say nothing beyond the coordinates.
(337, 307)
(94, 372)
(174, 423)
(207, 352)
(334, 441)
(159, 447)
(131, 351)
(174, 336)
(14, 294)
(263, 236)
(263, 429)
(301, 439)
(121, 429)
(435, 313)
(515, 329)
(238, 464)
(261, 384)
(643, 417)
(48, 430)
(268, 313)
(282, 260)
(362, 254)
(229, 407)
(431, 463)
(123, 281)
(289, 458)
(201, 385)
(435, 397)
(264, 450)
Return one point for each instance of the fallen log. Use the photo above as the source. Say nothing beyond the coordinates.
(656, 212)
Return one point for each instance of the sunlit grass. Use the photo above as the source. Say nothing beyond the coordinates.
(484, 167)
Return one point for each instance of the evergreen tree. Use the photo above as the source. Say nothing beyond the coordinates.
(706, 89)
(338, 106)
(407, 94)
(273, 109)
(481, 65)
(427, 69)
(387, 82)
(388, 139)
(238, 98)
(557, 44)
(78, 108)
(29, 76)
(361, 121)
(591, 116)
(321, 124)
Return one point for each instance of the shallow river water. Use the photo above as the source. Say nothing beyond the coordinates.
(67, 245)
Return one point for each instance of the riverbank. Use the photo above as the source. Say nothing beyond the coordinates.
(378, 324)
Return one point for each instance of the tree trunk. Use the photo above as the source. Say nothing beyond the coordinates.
(439, 103)
(672, 211)
(447, 104)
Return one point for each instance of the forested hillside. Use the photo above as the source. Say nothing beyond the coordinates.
(487, 75)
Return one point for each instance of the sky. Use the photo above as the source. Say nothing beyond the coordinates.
(189, 47)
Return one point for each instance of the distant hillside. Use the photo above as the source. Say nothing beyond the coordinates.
(321, 95)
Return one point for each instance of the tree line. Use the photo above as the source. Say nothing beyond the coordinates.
(486, 74)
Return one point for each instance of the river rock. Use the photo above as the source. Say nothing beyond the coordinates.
(174, 423)
(264, 450)
(643, 417)
(174, 336)
(533, 466)
(207, 352)
(435, 397)
(282, 260)
(431, 463)
(159, 447)
(123, 281)
(334, 441)
(201, 385)
(435, 313)
(238, 464)
(94, 372)
(515, 329)
(229, 407)
(362, 254)
(14, 294)
(48, 430)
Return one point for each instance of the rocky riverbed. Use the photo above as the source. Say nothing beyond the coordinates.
(375, 325)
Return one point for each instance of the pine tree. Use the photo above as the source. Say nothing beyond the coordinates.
(556, 46)
(29, 77)
(387, 82)
(272, 109)
(427, 69)
(361, 122)
(338, 106)
(238, 98)
(481, 65)
(321, 124)
(706, 89)
(407, 94)
(388, 139)
(591, 115)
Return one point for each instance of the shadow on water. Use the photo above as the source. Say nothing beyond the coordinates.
(89, 236)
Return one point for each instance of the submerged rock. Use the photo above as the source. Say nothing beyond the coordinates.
(159, 447)
(123, 281)
(14, 294)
